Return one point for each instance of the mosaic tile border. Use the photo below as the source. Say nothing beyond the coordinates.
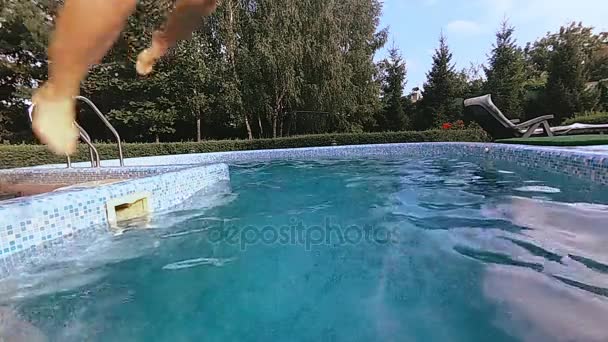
(30, 222)
(582, 163)
(79, 175)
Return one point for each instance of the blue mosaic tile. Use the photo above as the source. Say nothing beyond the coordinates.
(48, 218)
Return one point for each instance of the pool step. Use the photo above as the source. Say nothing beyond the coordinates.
(14, 190)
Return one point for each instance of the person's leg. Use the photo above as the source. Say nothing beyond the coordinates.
(182, 21)
(85, 31)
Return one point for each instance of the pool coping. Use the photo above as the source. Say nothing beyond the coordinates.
(296, 153)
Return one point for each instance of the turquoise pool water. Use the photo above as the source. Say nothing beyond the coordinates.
(368, 250)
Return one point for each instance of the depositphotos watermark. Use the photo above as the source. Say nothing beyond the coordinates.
(299, 234)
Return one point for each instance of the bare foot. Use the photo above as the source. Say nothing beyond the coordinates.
(146, 61)
(148, 58)
(53, 121)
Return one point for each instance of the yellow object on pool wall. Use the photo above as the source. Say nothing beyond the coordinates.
(124, 209)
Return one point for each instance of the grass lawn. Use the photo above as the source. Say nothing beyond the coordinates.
(566, 140)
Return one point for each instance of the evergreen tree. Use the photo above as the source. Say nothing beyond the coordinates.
(505, 73)
(392, 117)
(439, 102)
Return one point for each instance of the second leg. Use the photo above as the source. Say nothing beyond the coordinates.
(182, 21)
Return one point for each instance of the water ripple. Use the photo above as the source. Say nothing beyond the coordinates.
(542, 189)
(184, 233)
(197, 262)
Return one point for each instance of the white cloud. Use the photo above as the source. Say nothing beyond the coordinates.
(463, 27)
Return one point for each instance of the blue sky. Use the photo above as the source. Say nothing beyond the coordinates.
(470, 26)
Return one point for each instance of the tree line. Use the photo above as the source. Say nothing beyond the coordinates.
(564, 73)
(270, 68)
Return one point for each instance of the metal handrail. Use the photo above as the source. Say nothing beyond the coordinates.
(107, 123)
(95, 160)
(94, 154)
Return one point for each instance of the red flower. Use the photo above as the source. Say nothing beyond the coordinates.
(447, 125)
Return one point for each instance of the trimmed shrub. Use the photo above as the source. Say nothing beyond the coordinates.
(594, 118)
(12, 156)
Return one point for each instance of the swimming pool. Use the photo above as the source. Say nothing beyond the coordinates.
(376, 248)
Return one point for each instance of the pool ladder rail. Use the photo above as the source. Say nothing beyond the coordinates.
(94, 154)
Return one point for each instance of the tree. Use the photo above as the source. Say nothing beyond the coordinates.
(308, 56)
(141, 108)
(475, 81)
(246, 72)
(440, 96)
(602, 88)
(24, 27)
(599, 59)
(567, 91)
(505, 73)
(538, 55)
(193, 82)
(359, 43)
(233, 29)
(392, 117)
(573, 54)
(339, 77)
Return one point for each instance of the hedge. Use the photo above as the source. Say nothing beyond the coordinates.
(595, 118)
(29, 155)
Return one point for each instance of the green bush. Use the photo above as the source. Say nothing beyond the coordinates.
(594, 118)
(28, 155)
